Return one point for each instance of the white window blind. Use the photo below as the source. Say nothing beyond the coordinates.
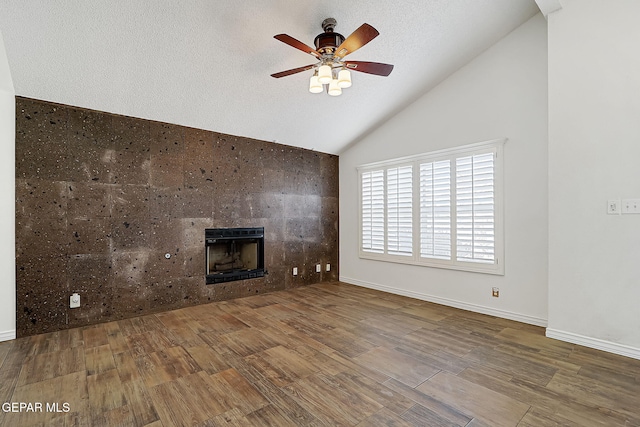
(373, 211)
(435, 210)
(400, 211)
(475, 208)
(441, 209)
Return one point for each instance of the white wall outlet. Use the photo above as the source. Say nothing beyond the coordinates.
(631, 206)
(74, 301)
(318, 268)
(613, 207)
(295, 271)
(328, 267)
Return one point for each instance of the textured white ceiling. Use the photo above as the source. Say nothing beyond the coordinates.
(207, 63)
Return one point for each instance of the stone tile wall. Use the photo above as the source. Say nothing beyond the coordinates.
(101, 198)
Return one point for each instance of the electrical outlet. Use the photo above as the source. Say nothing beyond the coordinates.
(328, 267)
(631, 206)
(295, 271)
(74, 301)
(495, 292)
(318, 268)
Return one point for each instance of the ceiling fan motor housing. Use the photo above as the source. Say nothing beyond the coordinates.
(327, 42)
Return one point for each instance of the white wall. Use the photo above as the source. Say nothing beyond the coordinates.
(7, 201)
(501, 93)
(594, 155)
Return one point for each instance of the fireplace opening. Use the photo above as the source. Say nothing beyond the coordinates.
(234, 254)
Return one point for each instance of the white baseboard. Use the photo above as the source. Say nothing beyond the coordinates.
(7, 335)
(523, 318)
(598, 344)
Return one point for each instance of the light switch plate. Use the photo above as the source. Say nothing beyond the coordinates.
(613, 207)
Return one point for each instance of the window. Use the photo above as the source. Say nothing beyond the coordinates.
(440, 209)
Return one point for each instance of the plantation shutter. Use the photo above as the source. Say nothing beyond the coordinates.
(400, 211)
(475, 208)
(373, 211)
(435, 210)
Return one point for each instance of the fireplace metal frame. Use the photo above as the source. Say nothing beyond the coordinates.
(224, 235)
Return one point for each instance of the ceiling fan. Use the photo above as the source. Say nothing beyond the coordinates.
(330, 49)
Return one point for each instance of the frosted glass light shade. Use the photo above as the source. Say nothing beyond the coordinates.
(344, 78)
(334, 89)
(324, 74)
(314, 85)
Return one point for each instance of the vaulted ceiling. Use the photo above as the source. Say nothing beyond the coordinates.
(207, 63)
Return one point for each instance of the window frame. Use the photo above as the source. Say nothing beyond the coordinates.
(495, 146)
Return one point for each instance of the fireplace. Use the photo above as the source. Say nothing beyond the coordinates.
(233, 254)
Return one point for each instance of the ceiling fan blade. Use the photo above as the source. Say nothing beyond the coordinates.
(377, 68)
(292, 71)
(363, 35)
(284, 38)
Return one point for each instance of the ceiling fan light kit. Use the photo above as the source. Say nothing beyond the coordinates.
(314, 85)
(344, 78)
(330, 49)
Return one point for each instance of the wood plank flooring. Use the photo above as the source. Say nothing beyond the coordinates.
(329, 354)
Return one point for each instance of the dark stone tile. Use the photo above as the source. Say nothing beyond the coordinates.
(129, 233)
(198, 159)
(162, 270)
(294, 206)
(167, 235)
(226, 208)
(294, 254)
(166, 138)
(88, 273)
(169, 294)
(132, 159)
(196, 203)
(166, 170)
(194, 262)
(312, 232)
(273, 157)
(41, 225)
(129, 268)
(273, 181)
(312, 206)
(36, 271)
(90, 133)
(236, 176)
(329, 171)
(274, 229)
(41, 310)
(166, 203)
(311, 161)
(295, 230)
(129, 167)
(193, 231)
(89, 235)
(89, 200)
(130, 201)
(274, 255)
(131, 134)
(295, 181)
(35, 196)
(42, 149)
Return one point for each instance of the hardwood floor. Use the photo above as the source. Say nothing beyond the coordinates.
(330, 354)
